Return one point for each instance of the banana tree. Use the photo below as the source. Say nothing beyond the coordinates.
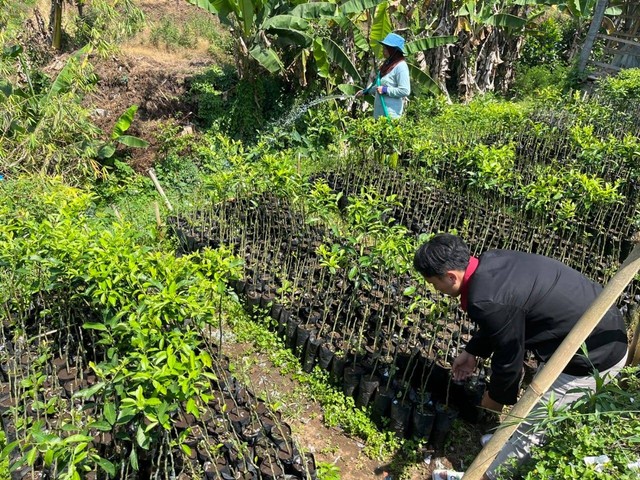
(262, 30)
(491, 36)
(361, 24)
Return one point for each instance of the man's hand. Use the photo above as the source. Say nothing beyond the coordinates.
(463, 366)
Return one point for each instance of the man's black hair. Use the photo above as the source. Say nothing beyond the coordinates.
(442, 253)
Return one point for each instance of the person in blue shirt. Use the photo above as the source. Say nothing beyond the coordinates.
(392, 84)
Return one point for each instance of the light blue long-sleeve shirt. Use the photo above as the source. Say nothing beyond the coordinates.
(398, 88)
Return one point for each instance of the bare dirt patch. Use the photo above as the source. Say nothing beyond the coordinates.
(152, 77)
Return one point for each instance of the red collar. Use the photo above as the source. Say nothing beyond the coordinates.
(464, 288)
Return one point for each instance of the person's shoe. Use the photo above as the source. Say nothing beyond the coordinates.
(485, 439)
(446, 475)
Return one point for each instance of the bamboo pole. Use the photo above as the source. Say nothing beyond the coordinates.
(154, 179)
(558, 361)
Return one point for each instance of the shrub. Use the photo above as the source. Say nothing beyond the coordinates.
(543, 44)
(548, 80)
(624, 86)
(603, 423)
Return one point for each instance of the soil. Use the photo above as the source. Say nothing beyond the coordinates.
(331, 444)
(152, 77)
(155, 79)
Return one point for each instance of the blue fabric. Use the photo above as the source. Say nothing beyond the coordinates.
(398, 85)
(394, 40)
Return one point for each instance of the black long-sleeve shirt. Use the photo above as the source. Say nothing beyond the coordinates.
(522, 301)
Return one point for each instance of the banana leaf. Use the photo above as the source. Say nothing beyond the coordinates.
(429, 42)
(292, 37)
(217, 7)
(314, 10)
(124, 122)
(380, 26)
(131, 141)
(360, 40)
(247, 11)
(423, 80)
(321, 58)
(337, 55)
(357, 6)
(286, 22)
(268, 58)
(506, 20)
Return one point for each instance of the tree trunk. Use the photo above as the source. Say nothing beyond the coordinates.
(598, 15)
(505, 74)
(437, 61)
(55, 24)
(487, 61)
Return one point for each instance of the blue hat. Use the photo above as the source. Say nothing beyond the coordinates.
(394, 40)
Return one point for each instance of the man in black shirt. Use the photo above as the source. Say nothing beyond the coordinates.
(519, 302)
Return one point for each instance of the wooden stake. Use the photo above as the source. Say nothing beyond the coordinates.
(156, 209)
(558, 361)
(155, 181)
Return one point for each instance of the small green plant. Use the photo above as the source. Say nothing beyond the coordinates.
(327, 471)
(118, 135)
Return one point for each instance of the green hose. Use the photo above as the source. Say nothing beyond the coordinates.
(384, 105)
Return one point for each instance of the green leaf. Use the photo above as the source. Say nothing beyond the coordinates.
(106, 151)
(428, 43)
(380, 26)
(423, 80)
(358, 6)
(131, 141)
(77, 438)
(141, 437)
(124, 122)
(31, 456)
(291, 37)
(133, 459)
(63, 81)
(88, 392)
(286, 22)
(105, 465)
(314, 10)
(101, 425)
(212, 7)
(409, 291)
(247, 12)
(109, 412)
(8, 449)
(48, 457)
(94, 326)
(360, 40)
(192, 408)
(321, 58)
(506, 20)
(337, 55)
(268, 58)
(348, 88)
